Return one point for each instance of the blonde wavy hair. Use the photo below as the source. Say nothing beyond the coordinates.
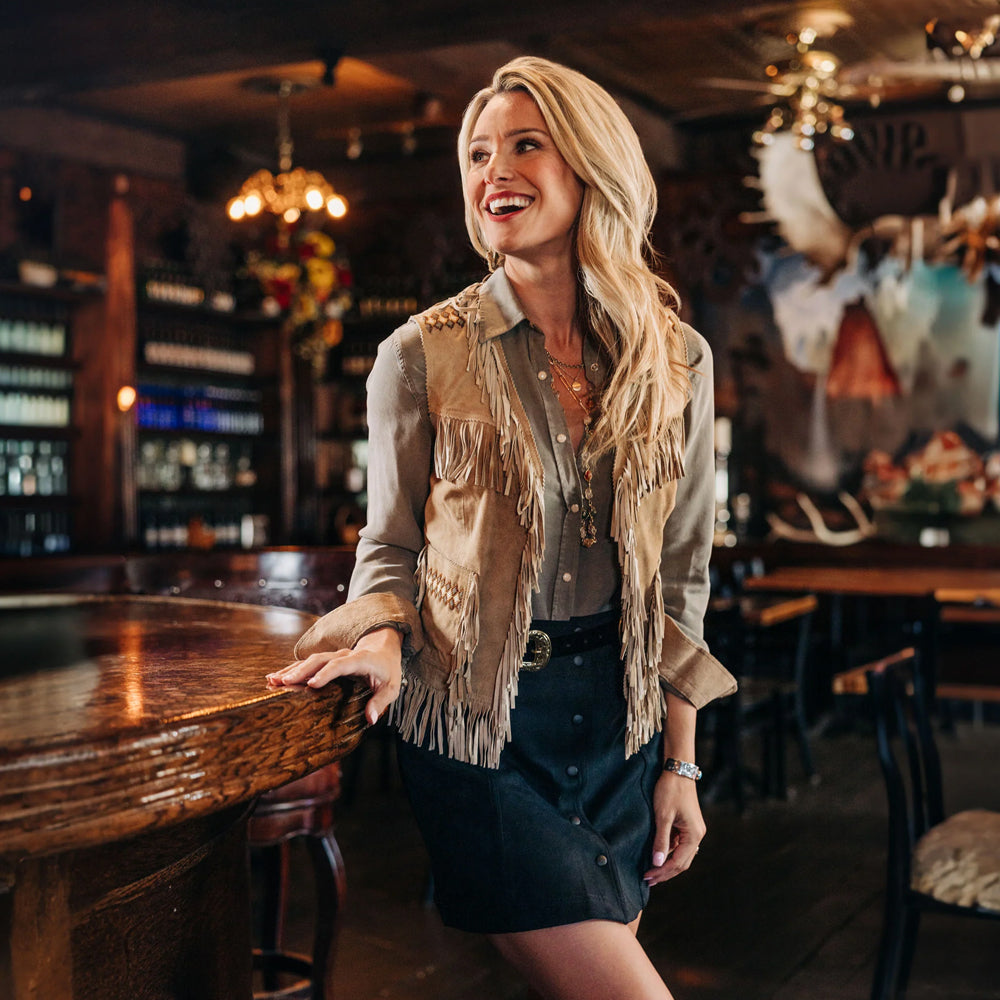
(627, 307)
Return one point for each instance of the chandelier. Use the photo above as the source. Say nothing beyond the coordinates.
(811, 109)
(290, 192)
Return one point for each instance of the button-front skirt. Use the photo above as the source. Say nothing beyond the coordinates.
(562, 831)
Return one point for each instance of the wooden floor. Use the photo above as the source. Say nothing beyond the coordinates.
(784, 902)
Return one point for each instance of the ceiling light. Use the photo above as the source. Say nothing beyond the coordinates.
(811, 109)
(958, 43)
(290, 192)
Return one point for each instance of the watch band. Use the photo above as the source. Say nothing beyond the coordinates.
(682, 767)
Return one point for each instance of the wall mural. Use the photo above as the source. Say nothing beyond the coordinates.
(877, 319)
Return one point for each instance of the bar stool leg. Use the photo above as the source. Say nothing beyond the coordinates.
(273, 861)
(331, 890)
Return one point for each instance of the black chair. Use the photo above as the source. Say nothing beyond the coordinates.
(937, 864)
(765, 641)
(964, 629)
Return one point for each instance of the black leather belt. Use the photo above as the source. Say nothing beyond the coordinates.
(542, 647)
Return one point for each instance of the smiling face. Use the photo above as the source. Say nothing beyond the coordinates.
(524, 195)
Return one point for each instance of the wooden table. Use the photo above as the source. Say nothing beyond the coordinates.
(135, 734)
(873, 581)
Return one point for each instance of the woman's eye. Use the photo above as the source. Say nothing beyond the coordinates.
(526, 145)
(478, 156)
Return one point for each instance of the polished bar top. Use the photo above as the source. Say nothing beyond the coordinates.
(121, 714)
(875, 581)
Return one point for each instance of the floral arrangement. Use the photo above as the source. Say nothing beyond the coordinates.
(303, 277)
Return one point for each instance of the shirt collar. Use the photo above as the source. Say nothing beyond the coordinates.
(499, 310)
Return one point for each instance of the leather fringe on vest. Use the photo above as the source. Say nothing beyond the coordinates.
(496, 456)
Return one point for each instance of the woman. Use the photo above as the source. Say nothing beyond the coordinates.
(530, 585)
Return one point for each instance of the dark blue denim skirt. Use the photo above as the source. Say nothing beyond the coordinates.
(562, 830)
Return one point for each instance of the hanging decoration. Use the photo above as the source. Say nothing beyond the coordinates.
(972, 235)
(860, 367)
(304, 278)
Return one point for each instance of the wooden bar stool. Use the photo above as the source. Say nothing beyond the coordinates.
(302, 808)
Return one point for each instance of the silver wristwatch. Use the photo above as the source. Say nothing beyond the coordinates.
(682, 767)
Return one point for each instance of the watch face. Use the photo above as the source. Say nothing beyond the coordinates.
(683, 768)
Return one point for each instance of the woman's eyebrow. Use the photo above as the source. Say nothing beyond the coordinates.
(511, 134)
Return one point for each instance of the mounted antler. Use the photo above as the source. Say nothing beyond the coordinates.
(820, 532)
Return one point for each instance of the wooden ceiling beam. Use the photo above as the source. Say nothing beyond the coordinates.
(55, 48)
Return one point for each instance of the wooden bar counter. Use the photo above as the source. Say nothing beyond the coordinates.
(135, 734)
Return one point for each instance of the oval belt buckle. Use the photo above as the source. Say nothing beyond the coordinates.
(538, 651)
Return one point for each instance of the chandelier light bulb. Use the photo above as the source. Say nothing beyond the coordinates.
(291, 191)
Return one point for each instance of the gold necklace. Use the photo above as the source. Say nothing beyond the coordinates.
(563, 367)
(588, 525)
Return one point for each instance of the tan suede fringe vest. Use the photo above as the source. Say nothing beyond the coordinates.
(484, 545)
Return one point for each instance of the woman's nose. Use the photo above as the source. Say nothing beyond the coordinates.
(498, 168)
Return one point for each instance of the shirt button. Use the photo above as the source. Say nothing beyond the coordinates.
(543, 375)
(572, 770)
(577, 661)
(601, 860)
(577, 719)
(567, 577)
(575, 508)
(575, 820)
(561, 438)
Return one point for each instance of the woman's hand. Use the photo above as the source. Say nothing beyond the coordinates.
(376, 656)
(679, 827)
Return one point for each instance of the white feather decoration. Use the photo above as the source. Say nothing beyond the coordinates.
(794, 198)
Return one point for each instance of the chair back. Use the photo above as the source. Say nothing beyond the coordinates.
(907, 754)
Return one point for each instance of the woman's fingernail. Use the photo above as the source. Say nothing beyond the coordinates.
(658, 858)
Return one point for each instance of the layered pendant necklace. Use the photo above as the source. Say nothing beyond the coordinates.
(581, 392)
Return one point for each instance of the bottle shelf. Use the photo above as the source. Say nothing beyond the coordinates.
(32, 531)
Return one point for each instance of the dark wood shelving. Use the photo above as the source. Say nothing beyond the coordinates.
(35, 432)
(37, 501)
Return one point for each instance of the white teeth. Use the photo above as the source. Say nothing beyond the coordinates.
(517, 201)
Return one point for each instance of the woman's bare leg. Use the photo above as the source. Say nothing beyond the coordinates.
(591, 960)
